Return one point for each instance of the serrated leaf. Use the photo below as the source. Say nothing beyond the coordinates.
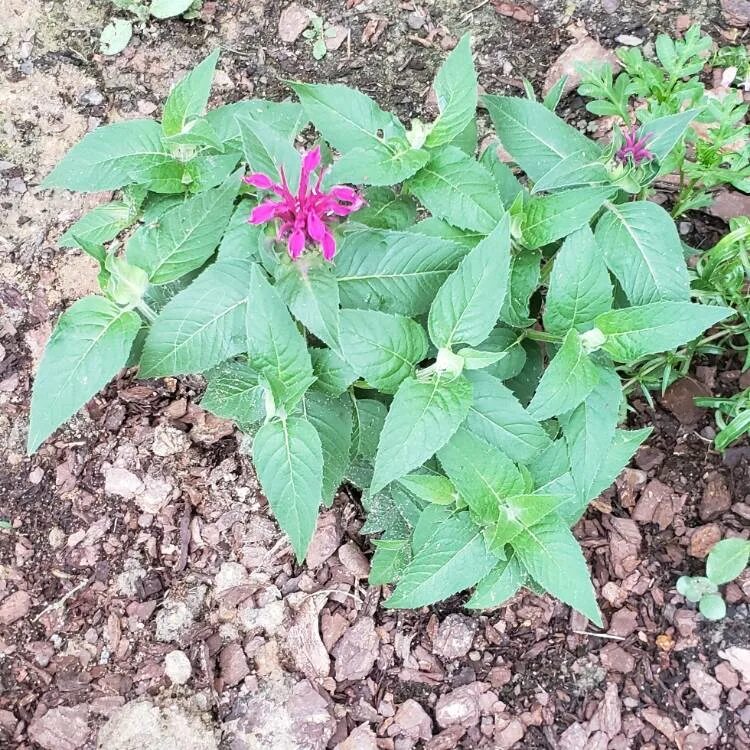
(643, 250)
(507, 342)
(433, 488)
(551, 555)
(333, 375)
(332, 419)
(369, 418)
(288, 458)
(89, 345)
(210, 170)
(188, 99)
(547, 218)
(579, 285)
(422, 418)
(233, 392)
(394, 272)
(665, 132)
(389, 561)
(240, 239)
(387, 209)
(508, 187)
(274, 345)
(502, 582)
(524, 280)
(634, 332)
(727, 559)
(100, 225)
(573, 171)
(483, 475)
(309, 288)
(267, 151)
(346, 118)
(454, 559)
(499, 419)
(520, 515)
(476, 359)
(569, 378)
(536, 138)
(381, 348)
(109, 157)
(434, 227)
(169, 8)
(394, 511)
(377, 164)
(185, 237)
(468, 303)
(285, 118)
(455, 187)
(456, 93)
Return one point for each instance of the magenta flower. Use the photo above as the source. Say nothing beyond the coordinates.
(634, 149)
(305, 217)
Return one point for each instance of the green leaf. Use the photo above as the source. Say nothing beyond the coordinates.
(547, 218)
(590, 429)
(387, 209)
(454, 559)
(423, 416)
(377, 164)
(693, 588)
(169, 8)
(233, 392)
(456, 93)
(289, 461)
(508, 187)
(468, 304)
(643, 250)
(210, 170)
(332, 418)
(274, 345)
(505, 341)
(434, 227)
(310, 289)
(713, 607)
(381, 348)
(552, 557)
(573, 171)
(634, 332)
(268, 151)
(369, 418)
(498, 418)
(185, 237)
(579, 285)
(536, 138)
(433, 488)
(524, 280)
(240, 240)
(727, 559)
(188, 99)
(520, 514)
(285, 118)
(502, 582)
(395, 272)
(665, 132)
(333, 375)
(90, 344)
(115, 36)
(569, 378)
(110, 157)
(346, 118)
(455, 187)
(483, 475)
(476, 359)
(99, 225)
(199, 328)
(389, 561)
(394, 511)
(196, 132)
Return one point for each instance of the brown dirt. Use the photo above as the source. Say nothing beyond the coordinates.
(535, 675)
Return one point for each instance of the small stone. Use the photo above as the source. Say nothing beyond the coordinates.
(454, 637)
(168, 441)
(155, 495)
(707, 688)
(684, 228)
(335, 37)
(121, 482)
(178, 613)
(629, 40)
(610, 6)
(106, 705)
(702, 539)
(360, 738)
(616, 659)
(268, 618)
(460, 706)
(660, 722)
(585, 51)
(623, 622)
(293, 21)
(708, 721)
(93, 98)
(726, 675)
(177, 667)
(325, 541)
(356, 650)
(412, 721)
(415, 20)
(716, 497)
(629, 485)
(353, 560)
(679, 399)
(648, 458)
(61, 728)
(506, 738)
(14, 607)
(233, 664)
(737, 12)
(499, 676)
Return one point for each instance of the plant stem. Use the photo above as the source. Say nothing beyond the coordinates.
(146, 311)
(534, 335)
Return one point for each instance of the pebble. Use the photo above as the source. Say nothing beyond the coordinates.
(93, 98)
(610, 6)
(629, 40)
(121, 482)
(177, 667)
(460, 706)
(357, 650)
(354, 560)
(616, 659)
(702, 539)
(454, 637)
(707, 688)
(61, 728)
(14, 607)
(412, 721)
(415, 20)
(233, 664)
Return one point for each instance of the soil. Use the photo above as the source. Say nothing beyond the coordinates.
(139, 529)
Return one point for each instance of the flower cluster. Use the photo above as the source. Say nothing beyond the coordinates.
(634, 149)
(305, 217)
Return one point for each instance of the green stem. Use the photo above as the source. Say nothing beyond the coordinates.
(146, 311)
(534, 335)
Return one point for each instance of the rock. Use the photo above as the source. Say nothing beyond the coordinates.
(499, 676)
(506, 738)
(739, 659)
(517, 11)
(574, 737)
(121, 482)
(411, 721)
(661, 722)
(702, 539)
(629, 485)
(658, 504)
(93, 98)
(678, 398)
(454, 637)
(648, 458)
(178, 613)
(360, 738)
(338, 35)
(737, 12)
(294, 19)
(14, 607)
(303, 641)
(353, 560)
(325, 541)
(614, 658)
(232, 584)
(629, 40)
(608, 715)
(142, 725)
(168, 441)
(233, 664)
(356, 651)
(726, 675)
(155, 495)
(716, 497)
(708, 721)
(623, 622)
(310, 716)
(460, 706)
(177, 667)
(61, 728)
(268, 618)
(583, 52)
(729, 204)
(707, 688)
(106, 705)
(610, 6)
(446, 740)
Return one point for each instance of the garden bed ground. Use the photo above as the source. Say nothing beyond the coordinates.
(139, 530)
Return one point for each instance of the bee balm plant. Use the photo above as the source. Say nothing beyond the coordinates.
(388, 310)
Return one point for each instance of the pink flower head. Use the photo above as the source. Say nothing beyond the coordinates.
(634, 149)
(305, 218)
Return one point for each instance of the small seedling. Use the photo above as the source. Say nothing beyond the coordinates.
(317, 35)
